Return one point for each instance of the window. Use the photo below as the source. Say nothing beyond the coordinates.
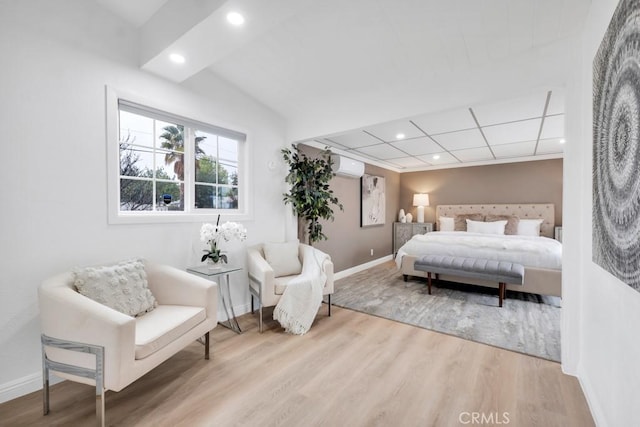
(173, 166)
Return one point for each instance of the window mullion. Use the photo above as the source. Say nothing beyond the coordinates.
(189, 167)
(154, 177)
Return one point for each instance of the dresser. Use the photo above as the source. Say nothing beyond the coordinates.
(403, 231)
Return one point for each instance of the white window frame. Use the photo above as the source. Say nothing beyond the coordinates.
(116, 216)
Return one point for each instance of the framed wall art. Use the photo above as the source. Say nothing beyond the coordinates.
(373, 202)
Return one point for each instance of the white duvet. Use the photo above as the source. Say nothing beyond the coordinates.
(530, 251)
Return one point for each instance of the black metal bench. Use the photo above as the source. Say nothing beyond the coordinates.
(502, 272)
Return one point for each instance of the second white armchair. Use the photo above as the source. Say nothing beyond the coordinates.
(267, 285)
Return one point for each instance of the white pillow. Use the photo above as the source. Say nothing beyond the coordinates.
(446, 223)
(529, 227)
(494, 227)
(283, 258)
(122, 286)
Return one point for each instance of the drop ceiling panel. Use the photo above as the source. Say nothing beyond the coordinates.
(408, 162)
(473, 154)
(354, 139)
(444, 158)
(518, 149)
(507, 140)
(521, 108)
(417, 146)
(389, 131)
(381, 151)
(553, 127)
(526, 130)
(471, 138)
(448, 121)
(549, 146)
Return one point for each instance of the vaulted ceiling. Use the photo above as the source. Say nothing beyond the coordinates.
(465, 80)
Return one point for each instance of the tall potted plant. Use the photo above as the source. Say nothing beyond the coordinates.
(310, 195)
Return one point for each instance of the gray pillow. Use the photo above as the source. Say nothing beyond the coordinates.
(122, 286)
(512, 222)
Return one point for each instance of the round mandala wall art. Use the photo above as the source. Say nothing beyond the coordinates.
(616, 146)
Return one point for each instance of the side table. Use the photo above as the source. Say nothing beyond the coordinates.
(211, 273)
(404, 231)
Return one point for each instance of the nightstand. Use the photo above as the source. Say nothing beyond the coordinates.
(403, 231)
(558, 233)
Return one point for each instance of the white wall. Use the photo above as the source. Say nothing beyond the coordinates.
(601, 314)
(57, 59)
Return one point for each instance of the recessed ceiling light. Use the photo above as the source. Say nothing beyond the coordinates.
(177, 58)
(235, 18)
(562, 141)
(400, 136)
(436, 157)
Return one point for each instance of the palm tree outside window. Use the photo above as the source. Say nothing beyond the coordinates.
(153, 165)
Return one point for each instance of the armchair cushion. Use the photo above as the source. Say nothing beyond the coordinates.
(281, 283)
(163, 325)
(283, 258)
(121, 286)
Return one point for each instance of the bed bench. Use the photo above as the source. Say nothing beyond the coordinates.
(502, 272)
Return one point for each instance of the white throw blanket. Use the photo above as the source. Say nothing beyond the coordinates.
(302, 297)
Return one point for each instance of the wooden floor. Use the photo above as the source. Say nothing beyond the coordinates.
(351, 369)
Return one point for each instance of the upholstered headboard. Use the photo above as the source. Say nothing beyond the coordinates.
(546, 211)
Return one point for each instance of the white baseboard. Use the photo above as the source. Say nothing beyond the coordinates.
(358, 268)
(594, 407)
(25, 385)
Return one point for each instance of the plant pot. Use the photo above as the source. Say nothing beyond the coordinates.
(214, 265)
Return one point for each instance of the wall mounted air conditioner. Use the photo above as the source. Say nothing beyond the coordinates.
(344, 166)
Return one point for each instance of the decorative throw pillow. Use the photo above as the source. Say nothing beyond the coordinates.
(283, 258)
(446, 223)
(512, 222)
(529, 227)
(494, 227)
(121, 286)
(461, 220)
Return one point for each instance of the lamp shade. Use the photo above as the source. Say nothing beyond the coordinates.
(421, 199)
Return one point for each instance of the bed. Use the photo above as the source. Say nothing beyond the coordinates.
(541, 256)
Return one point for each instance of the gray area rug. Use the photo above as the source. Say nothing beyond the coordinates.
(526, 323)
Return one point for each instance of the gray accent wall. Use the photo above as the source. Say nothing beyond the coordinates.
(527, 182)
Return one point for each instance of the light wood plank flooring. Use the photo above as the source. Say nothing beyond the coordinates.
(351, 369)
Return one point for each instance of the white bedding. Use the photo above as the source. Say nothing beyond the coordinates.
(530, 251)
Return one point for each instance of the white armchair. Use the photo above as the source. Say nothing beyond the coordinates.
(267, 288)
(87, 342)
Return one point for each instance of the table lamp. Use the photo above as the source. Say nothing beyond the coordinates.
(420, 200)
